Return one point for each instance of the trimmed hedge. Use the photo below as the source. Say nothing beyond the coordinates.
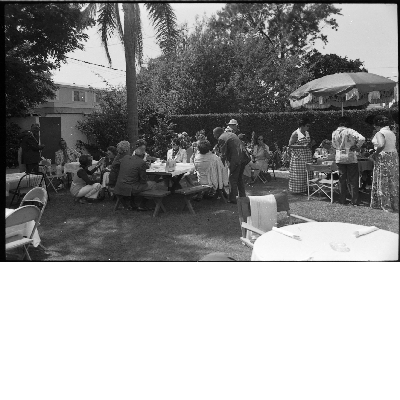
(276, 127)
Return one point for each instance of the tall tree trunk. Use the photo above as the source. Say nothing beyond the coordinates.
(130, 59)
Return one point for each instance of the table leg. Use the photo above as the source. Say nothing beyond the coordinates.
(189, 205)
(162, 206)
(159, 206)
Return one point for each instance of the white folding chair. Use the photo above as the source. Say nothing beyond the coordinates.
(20, 216)
(282, 205)
(319, 183)
(36, 197)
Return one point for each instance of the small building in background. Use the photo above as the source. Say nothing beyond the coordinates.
(58, 117)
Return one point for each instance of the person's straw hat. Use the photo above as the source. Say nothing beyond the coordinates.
(232, 122)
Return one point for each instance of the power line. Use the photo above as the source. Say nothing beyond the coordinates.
(104, 66)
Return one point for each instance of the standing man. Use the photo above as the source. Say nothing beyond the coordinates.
(233, 151)
(132, 178)
(346, 141)
(31, 150)
(232, 126)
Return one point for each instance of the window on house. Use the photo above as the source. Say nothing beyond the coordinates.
(79, 95)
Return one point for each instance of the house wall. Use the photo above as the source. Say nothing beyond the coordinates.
(63, 106)
(65, 100)
(69, 132)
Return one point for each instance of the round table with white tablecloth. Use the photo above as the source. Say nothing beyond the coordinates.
(319, 241)
(23, 230)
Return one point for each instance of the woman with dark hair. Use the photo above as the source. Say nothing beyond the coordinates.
(105, 172)
(385, 181)
(209, 170)
(300, 148)
(84, 188)
(111, 154)
(177, 153)
(259, 159)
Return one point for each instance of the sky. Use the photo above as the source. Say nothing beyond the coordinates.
(367, 32)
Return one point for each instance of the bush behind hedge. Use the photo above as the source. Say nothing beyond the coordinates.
(277, 126)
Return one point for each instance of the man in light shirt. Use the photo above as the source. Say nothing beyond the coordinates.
(346, 141)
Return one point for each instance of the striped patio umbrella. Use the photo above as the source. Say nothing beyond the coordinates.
(343, 90)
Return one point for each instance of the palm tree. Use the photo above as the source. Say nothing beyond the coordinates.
(107, 17)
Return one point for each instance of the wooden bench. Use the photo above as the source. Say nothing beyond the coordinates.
(156, 195)
(189, 193)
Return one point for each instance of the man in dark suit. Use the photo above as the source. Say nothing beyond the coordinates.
(31, 149)
(233, 151)
(132, 178)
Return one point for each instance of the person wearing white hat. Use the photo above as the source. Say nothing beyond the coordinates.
(233, 152)
(232, 126)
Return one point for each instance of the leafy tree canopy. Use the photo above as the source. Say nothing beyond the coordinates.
(320, 65)
(214, 74)
(37, 38)
(288, 28)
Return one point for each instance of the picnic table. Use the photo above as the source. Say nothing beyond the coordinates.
(23, 230)
(180, 169)
(326, 241)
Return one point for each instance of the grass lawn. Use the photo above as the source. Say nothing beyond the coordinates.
(85, 232)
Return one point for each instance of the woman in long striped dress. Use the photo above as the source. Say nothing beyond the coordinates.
(385, 184)
(299, 145)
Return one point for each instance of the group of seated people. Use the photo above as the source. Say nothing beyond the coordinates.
(126, 173)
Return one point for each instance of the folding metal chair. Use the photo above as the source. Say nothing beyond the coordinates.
(282, 204)
(50, 173)
(26, 183)
(320, 184)
(21, 216)
(36, 197)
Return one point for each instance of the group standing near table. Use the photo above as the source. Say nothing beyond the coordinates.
(343, 149)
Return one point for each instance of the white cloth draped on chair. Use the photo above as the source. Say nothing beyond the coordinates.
(263, 213)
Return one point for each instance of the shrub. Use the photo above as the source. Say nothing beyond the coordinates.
(159, 137)
(276, 126)
(12, 144)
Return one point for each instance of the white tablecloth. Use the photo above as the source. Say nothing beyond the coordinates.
(23, 229)
(181, 168)
(317, 238)
(74, 166)
(12, 181)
